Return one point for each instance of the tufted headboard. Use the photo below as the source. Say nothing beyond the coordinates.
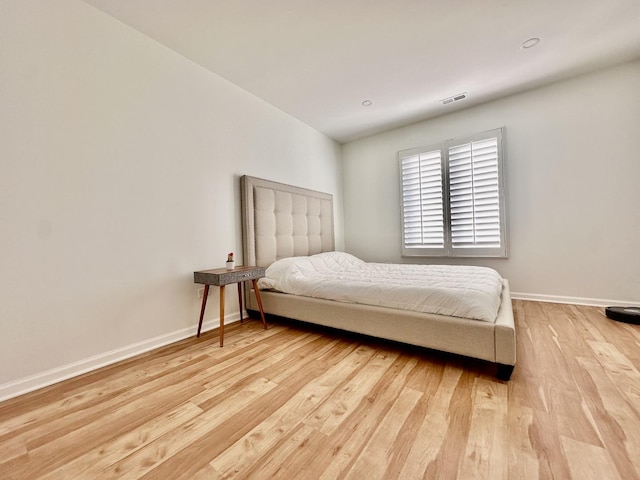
(280, 220)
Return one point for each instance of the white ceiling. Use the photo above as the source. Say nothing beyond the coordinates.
(319, 59)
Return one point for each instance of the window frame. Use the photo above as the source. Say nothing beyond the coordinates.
(448, 250)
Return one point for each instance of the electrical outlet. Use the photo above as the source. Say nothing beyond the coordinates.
(201, 293)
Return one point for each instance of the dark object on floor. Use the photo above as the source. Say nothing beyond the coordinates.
(504, 372)
(624, 314)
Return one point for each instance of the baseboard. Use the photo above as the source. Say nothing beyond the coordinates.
(590, 302)
(55, 375)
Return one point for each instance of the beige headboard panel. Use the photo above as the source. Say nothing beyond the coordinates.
(280, 220)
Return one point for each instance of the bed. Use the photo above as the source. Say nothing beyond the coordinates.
(282, 221)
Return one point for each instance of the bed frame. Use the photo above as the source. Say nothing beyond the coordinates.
(281, 221)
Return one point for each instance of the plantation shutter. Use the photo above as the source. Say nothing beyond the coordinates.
(474, 194)
(422, 199)
(453, 200)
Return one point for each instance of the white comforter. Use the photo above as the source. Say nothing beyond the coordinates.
(458, 291)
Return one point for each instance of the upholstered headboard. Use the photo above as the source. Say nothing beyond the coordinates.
(281, 221)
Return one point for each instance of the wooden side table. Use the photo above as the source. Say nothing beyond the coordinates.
(221, 277)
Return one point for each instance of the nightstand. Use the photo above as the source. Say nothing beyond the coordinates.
(221, 277)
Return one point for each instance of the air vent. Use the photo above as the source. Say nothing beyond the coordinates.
(455, 98)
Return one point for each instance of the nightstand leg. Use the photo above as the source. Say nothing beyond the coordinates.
(221, 314)
(240, 299)
(205, 294)
(257, 291)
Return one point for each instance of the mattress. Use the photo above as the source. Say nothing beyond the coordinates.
(458, 291)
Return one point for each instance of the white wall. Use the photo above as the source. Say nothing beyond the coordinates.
(119, 176)
(573, 172)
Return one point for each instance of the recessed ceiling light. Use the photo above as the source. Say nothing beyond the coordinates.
(367, 103)
(530, 43)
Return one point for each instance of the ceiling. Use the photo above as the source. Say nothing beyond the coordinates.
(318, 60)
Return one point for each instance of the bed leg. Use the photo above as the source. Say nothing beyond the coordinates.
(504, 371)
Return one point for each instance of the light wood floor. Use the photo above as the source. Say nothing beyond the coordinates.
(303, 403)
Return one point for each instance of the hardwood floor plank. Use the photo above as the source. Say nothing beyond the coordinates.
(572, 416)
(433, 429)
(297, 401)
(246, 452)
(588, 462)
(281, 458)
(51, 450)
(488, 436)
(375, 458)
(204, 449)
(95, 462)
(169, 444)
(349, 393)
(345, 445)
(622, 371)
(232, 376)
(545, 440)
(448, 462)
(104, 396)
(522, 456)
(614, 414)
(13, 448)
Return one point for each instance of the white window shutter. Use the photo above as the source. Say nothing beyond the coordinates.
(422, 200)
(474, 194)
(453, 200)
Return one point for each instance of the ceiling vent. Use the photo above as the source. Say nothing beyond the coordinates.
(455, 98)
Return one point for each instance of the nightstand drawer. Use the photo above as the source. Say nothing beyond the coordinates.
(222, 276)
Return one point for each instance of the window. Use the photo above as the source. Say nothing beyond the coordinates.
(453, 198)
